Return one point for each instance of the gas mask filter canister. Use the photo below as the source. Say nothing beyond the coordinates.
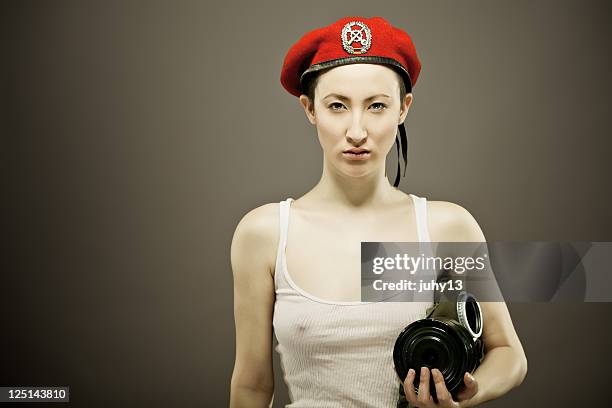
(448, 339)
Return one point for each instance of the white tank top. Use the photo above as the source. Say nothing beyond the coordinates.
(339, 354)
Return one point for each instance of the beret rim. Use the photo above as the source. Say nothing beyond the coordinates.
(373, 59)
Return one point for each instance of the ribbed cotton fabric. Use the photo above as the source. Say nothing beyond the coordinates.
(339, 354)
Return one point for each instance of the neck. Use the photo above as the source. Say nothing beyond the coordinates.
(340, 190)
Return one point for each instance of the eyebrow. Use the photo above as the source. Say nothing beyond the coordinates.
(345, 98)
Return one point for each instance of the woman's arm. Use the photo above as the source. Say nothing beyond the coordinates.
(253, 253)
(505, 364)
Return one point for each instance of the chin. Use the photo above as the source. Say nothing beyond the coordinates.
(362, 172)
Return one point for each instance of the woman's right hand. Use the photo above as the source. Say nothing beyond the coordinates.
(445, 399)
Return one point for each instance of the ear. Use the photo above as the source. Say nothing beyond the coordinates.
(308, 108)
(405, 107)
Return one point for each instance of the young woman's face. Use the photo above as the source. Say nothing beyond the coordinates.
(357, 106)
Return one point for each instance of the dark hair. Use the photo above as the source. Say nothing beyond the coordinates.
(310, 84)
(401, 141)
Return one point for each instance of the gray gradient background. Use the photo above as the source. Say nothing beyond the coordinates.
(135, 135)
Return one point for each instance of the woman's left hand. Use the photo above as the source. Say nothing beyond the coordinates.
(445, 399)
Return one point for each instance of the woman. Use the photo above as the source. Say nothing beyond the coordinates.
(296, 264)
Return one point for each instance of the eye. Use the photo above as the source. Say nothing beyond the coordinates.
(380, 106)
(336, 106)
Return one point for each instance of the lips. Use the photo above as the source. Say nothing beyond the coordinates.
(356, 153)
(357, 150)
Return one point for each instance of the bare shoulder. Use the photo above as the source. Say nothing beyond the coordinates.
(261, 221)
(450, 222)
(256, 237)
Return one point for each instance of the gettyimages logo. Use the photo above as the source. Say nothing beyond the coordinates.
(412, 264)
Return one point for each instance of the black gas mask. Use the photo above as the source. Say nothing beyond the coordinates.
(448, 339)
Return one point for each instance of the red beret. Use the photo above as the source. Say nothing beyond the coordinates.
(350, 40)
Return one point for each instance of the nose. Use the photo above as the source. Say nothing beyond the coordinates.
(356, 133)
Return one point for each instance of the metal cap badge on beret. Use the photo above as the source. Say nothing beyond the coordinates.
(350, 40)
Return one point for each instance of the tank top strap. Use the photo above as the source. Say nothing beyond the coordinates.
(420, 208)
(425, 245)
(282, 240)
(283, 222)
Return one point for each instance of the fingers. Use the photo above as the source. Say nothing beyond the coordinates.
(471, 387)
(409, 388)
(444, 397)
(424, 397)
